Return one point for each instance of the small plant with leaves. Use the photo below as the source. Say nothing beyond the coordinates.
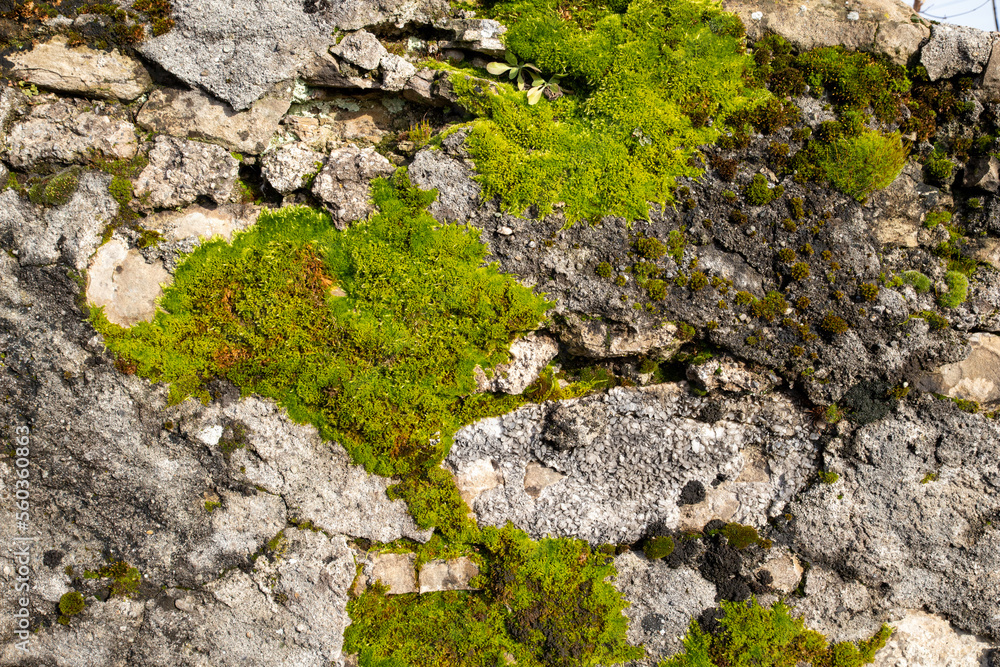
(518, 71)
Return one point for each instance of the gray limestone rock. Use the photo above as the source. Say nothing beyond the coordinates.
(122, 282)
(180, 171)
(291, 166)
(360, 48)
(343, 183)
(456, 190)
(67, 132)
(663, 602)
(983, 173)
(70, 232)
(632, 452)
(448, 575)
(192, 114)
(80, 70)
(396, 71)
(954, 50)
(528, 356)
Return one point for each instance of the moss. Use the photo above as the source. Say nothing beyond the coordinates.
(603, 270)
(749, 634)
(55, 190)
(758, 193)
(725, 169)
(770, 307)
(929, 477)
(125, 579)
(958, 290)
(657, 290)
(860, 165)
(935, 320)
(868, 291)
(621, 280)
(543, 603)
(934, 219)
(799, 271)
(385, 370)
(212, 505)
(71, 603)
(658, 547)
(833, 324)
(827, 477)
(796, 351)
(643, 85)
(698, 280)
(740, 536)
(802, 303)
(786, 255)
(938, 168)
(649, 248)
(797, 208)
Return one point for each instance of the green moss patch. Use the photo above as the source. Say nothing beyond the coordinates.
(752, 635)
(641, 84)
(371, 333)
(542, 603)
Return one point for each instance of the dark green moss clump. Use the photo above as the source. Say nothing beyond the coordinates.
(72, 603)
(868, 291)
(603, 270)
(659, 547)
(758, 193)
(833, 324)
(55, 190)
(125, 579)
(749, 634)
(741, 537)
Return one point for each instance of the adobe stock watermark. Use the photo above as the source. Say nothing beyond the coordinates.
(22, 542)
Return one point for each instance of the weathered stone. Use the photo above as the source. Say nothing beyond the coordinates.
(784, 568)
(954, 50)
(419, 88)
(719, 503)
(481, 35)
(663, 602)
(537, 477)
(395, 571)
(528, 356)
(975, 378)
(452, 178)
(879, 26)
(125, 284)
(238, 50)
(343, 183)
(395, 72)
(927, 640)
(360, 48)
(64, 132)
(180, 171)
(599, 339)
(476, 477)
(71, 232)
(291, 166)
(448, 575)
(81, 70)
(192, 114)
(991, 75)
(575, 423)
(197, 222)
(729, 375)
(983, 173)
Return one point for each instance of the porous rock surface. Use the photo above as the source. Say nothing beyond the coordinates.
(180, 171)
(67, 132)
(627, 454)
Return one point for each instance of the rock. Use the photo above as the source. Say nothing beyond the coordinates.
(456, 190)
(419, 88)
(719, 503)
(599, 339)
(395, 72)
(983, 173)
(975, 378)
(843, 610)
(197, 222)
(537, 477)
(192, 114)
(316, 478)
(927, 640)
(476, 477)
(180, 171)
(395, 571)
(71, 232)
(991, 75)
(784, 568)
(908, 539)
(528, 356)
(360, 48)
(630, 453)
(120, 280)
(448, 575)
(12, 105)
(727, 374)
(986, 250)
(954, 50)
(81, 71)
(878, 26)
(480, 35)
(291, 166)
(663, 602)
(343, 183)
(64, 132)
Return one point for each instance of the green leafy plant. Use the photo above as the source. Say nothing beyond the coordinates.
(515, 70)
